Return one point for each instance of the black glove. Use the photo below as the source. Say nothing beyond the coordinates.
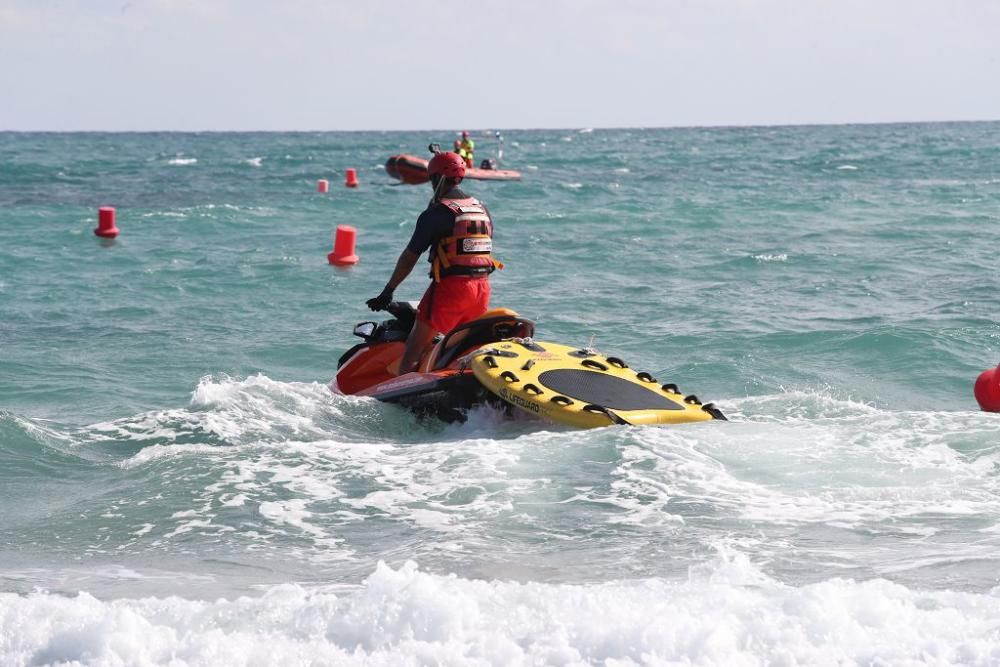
(382, 300)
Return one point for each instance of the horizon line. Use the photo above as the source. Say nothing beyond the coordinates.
(518, 129)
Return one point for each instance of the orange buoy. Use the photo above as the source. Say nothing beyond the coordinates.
(352, 178)
(987, 390)
(106, 223)
(343, 246)
(322, 186)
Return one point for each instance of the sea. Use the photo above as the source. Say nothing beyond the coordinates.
(179, 487)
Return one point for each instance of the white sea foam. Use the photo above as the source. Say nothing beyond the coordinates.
(188, 526)
(292, 512)
(725, 612)
(847, 167)
(771, 258)
(586, 130)
(283, 460)
(240, 410)
(855, 465)
(156, 452)
(254, 161)
(182, 161)
(306, 467)
(572, 186)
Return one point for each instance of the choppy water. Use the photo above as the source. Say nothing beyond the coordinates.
(178, 486)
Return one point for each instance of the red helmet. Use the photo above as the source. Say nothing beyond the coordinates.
(449, 165)
(465, 134)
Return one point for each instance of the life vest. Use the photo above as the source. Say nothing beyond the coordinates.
(465, 155)
(468, 150)
(468, 251)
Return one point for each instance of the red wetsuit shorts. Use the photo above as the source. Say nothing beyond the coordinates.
(454, 300)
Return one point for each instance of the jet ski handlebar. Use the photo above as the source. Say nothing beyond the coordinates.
(400, 308)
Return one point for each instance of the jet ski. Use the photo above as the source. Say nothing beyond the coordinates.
(495, 360)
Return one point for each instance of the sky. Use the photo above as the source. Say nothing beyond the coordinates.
(201, 65)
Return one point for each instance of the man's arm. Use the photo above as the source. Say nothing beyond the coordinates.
(420, 241)
(407, 260)
(404, 265)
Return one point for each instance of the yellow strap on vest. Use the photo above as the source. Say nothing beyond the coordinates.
(440, 259)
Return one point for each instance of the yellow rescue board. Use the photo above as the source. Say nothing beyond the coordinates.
(581, 388)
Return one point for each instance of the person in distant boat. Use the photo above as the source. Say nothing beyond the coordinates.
(461, 152)
(458, 230)
(468, 149)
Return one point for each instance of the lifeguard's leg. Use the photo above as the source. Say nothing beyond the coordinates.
(420, 337)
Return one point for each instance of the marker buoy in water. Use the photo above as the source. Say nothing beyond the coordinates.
(322, 186)
(106, 223)
(351, 180)
(987, 390)
(343, 247)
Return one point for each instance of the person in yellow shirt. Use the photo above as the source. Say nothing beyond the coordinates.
(468, 147)
(461, 152)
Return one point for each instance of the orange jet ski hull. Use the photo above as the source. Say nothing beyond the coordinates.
(443, 385)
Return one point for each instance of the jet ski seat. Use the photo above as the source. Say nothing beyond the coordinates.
(490, 327)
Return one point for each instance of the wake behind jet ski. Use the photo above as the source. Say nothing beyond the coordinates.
(495, 360)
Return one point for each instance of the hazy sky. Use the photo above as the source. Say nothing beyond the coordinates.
(423, 64)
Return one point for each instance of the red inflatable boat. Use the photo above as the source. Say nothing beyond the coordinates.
(413, 170)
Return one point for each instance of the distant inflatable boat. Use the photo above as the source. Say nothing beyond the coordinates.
(413, 170)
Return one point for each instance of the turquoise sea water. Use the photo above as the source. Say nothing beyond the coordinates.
(177, 483)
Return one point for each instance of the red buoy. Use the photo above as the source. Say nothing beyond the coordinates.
(343, 247)
(352, 178)
(106, 223)
(987, 390)
(322, 186)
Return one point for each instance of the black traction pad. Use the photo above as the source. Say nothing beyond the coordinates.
(605, 390)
